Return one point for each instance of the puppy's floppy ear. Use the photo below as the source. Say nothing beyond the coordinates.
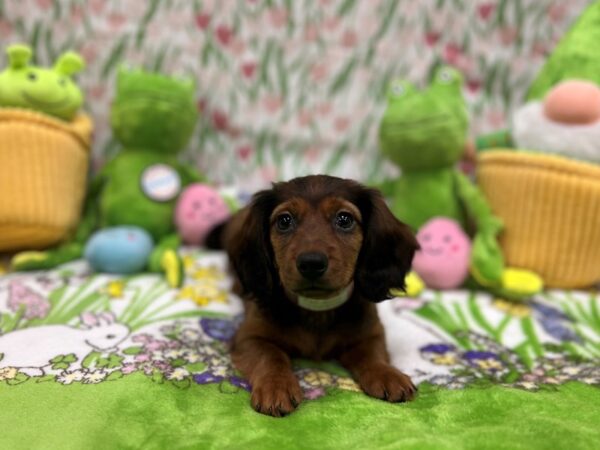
(387, 251)
(249, 247)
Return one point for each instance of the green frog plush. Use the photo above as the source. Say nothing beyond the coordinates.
(51, 91)
(153, 117)
(425, 134)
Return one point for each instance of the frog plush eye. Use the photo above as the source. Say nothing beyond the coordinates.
(399, 89)
(447, 75)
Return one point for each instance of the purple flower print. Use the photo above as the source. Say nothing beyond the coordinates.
(484, 360)
(21, 297)
(555, 322)
(438, 348)
(312, 394)
(220, 329)
(207, 378)
(143, 338)
(241, 383)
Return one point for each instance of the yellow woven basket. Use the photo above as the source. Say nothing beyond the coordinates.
(550, 206)
(43, 169)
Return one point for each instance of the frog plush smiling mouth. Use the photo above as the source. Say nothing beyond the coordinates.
(425, 133)
(50, 91)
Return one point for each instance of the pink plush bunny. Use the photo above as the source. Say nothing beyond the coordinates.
(198, 210)
(443, 261)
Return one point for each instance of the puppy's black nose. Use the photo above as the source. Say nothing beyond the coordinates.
(312, 265)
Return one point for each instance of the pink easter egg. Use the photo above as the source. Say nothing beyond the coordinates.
(575, 102)
(199, 209)
(443, 260)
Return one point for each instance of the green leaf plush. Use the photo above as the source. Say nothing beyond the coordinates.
(153, 117)
(424, 132)
(51, 91)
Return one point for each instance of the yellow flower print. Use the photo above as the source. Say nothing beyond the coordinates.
(114, 289)
(348, 384)
(203, 293)
(8, 373)
(489, 364)
(512, 308)
(318, 378)
(185, 293)
(445, 359)
(207, 273)
(188, 262)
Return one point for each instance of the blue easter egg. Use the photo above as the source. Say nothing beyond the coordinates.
(119, 249)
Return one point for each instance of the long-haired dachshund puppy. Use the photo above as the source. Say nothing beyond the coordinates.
(312, 257)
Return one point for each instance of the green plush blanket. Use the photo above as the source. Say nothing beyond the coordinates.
(95, 361)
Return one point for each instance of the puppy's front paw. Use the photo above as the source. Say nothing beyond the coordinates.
(276, 396)
(387, 383)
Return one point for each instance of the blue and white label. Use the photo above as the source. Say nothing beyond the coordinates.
(160, 182)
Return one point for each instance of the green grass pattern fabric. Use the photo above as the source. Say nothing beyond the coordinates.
(137, 413)
(98, 361)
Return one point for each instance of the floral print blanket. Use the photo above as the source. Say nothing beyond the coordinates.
(69, 327)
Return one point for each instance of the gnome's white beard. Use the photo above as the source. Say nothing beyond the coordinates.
(532, 130)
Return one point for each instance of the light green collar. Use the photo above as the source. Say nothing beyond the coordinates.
(326, 304)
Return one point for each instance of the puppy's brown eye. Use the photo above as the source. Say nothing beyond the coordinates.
(344, 221)
(284, 222)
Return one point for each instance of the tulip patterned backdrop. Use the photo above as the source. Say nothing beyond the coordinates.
(291, 87)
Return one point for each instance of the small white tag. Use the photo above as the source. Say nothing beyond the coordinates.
(160, 182)
(325, 304)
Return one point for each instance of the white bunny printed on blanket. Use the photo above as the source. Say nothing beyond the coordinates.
(31, 349)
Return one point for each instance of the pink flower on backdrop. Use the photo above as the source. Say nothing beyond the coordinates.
(473, 85)
(319, 71)
(349, 38)
(508, 35)
(539, 48)
(224, 34)
(485, 10)
(324, 108)
(451, 53)
(237, 47)
(278, 17)
(272, 103)
(341, 124)
(248, 69)
(305, 117)
(311, 33)
(496, 118)
(268, 173)
(6, 28)
(202, 20)
(96, 6)
(45, 4)
(201, 105)
(244, 152)
(220, 120)
(312, 154)
(557, 11)
(116, 20)
(76, 13)
(97, 91)
(431, 38)
(331, 23)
